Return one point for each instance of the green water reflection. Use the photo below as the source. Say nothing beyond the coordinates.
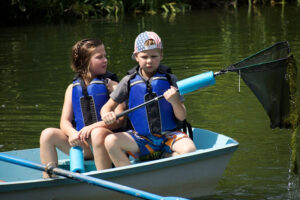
(34, 69)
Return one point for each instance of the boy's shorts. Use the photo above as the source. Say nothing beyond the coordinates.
(152, 147)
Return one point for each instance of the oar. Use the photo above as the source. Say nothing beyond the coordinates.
(88, 179)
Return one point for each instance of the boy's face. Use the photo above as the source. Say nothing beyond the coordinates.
(149, 61)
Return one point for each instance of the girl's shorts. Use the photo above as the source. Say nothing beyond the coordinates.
(153, 146)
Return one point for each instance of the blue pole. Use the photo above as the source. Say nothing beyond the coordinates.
(196, 82)
(88, 179)
(76, 159)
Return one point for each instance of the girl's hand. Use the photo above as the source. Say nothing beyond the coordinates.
(74, 140)
(171, 95)
(85, 132)
(109, 118)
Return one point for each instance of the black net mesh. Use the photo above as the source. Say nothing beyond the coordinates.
(276, 52)
(271, 74)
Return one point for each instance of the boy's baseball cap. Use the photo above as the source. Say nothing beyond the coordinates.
(139, 44)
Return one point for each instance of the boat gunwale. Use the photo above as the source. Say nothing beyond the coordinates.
(136, 168)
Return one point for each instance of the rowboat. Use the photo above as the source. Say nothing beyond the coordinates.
(190, 175)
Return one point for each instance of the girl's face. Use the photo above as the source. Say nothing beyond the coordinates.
(98, 61)
(149, 61)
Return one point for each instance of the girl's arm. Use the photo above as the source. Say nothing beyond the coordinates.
(67, 117)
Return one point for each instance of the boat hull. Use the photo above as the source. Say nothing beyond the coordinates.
(191, 175)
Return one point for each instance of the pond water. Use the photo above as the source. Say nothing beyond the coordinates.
(35, 71)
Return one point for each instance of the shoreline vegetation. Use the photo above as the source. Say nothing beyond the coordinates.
(15, 12)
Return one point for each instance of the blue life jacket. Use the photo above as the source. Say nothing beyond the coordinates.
(158, 116)
(87, 101)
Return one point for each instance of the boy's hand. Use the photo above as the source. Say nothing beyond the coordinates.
(109, 118)
(171, 95)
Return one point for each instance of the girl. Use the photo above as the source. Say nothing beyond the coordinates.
(83, 101)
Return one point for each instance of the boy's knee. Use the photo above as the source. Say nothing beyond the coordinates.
(110, 141)
(190, 148)
(98, 135)
(186, 148)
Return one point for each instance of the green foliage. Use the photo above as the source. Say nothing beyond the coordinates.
(111, 6)
(165, 6)
(26, 10)
(83, 9)
(175, 7)
(294, 166)
(56, 9)
(292, 120)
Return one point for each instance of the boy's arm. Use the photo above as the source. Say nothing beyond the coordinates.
(111, 85)
(118, 123)
(107, 111)
(172, 96)
(179, 111)
(117, 97)
(86, 131)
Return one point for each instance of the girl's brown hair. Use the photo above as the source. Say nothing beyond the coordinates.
(81, 55)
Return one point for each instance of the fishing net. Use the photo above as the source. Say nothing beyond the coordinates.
(271, 74)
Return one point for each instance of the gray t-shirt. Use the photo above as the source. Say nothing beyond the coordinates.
(120, 94)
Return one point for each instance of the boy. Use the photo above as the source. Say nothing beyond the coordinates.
(155, 127)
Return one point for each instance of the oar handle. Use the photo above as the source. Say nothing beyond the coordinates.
(126, 112)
